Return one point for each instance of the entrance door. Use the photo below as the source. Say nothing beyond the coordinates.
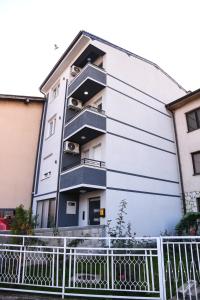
(94, 208)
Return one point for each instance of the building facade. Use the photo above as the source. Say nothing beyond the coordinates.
(107, 136)
(186, 112)
(20, 118)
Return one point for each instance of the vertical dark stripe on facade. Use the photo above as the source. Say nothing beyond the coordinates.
(60, 156)
(37, 152)
(40, 146)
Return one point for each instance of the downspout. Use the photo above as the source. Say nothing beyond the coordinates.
(179, 163)
(38, 150)
(60, 157)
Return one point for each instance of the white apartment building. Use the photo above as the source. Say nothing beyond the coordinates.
(186, 114)
(107, 136)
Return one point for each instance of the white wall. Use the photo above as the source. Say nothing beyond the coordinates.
(139, 73)
(149, 215)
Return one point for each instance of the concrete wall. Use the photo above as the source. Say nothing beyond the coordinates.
(19, 131)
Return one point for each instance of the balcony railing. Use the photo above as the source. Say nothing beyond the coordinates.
(88, 107)
(86, 161)
(85, 126)
(91, 79)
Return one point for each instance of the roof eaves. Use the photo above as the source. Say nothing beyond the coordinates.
(94, 37)
(21, 98)
(188, 97)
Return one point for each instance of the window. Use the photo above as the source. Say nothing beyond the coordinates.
(51, 126)
(98, 103)
(46, 213)
(7, 212)
(196, 162)
(193, 119)
(55, 91)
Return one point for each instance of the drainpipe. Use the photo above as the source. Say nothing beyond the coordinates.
(60, 157)
(179, 163)
(37, 151)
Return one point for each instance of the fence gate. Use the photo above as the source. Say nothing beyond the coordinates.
(181, 263)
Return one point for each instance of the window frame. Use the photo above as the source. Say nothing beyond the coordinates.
(55, 91)
(193, 163)
(196, 118)
(52, 132)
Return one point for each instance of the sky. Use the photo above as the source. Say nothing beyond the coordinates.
(163, 31)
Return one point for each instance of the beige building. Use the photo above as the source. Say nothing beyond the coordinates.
(20, 118)
(186, 112)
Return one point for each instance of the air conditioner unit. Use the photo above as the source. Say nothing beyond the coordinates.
(75, 104)
(70, 147)
(75, 70)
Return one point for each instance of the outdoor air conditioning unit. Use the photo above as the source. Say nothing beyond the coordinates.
(75, 104)
(70, 147)
(75, 70)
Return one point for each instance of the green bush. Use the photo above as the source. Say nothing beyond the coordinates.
(23, 223)
(188, 225)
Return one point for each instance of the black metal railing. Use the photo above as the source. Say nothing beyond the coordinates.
(90, 108)
(86, 161)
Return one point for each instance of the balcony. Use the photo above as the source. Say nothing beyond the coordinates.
(87, 83)
(88, 175)
(88, 124)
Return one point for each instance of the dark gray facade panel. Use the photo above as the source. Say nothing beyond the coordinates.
(70, 113)
(91, 72)
(83, 175)
(64, 219)
(69, 159)
(86, 118)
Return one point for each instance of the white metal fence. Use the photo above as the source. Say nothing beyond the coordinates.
(138, 268)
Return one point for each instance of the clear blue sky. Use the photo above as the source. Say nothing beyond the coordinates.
(164, 31)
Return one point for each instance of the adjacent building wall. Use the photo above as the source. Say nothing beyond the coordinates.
(19, 131)
(188, 142)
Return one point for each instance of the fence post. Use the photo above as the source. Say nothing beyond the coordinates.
(161, 268)
(64, 268)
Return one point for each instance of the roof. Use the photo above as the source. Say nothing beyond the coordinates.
(183, 100)
(21, 98)
(94, 37)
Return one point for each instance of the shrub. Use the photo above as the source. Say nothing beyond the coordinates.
(23, 222)
(188, 225)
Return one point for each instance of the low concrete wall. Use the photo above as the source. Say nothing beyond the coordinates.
(75, 231)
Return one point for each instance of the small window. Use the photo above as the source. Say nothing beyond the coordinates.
(193, 120)
(51, 126)
(196, 162)
(55, 91)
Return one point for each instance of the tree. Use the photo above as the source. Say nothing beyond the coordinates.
(121, 229)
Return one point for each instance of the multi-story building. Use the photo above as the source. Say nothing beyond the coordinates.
(20, 119)
(186, 114)
(107, 136)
